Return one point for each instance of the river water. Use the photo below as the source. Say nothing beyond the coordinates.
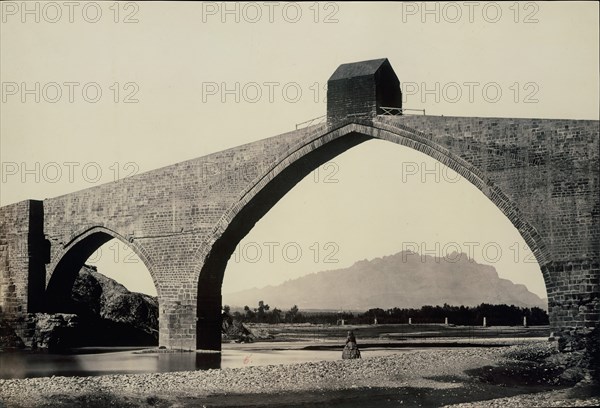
(89, 362)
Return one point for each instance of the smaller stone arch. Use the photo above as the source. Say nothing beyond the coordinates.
(62, 272)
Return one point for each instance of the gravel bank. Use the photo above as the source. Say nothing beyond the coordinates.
(395, 378)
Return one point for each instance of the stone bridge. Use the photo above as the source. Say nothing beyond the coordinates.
(185, 220)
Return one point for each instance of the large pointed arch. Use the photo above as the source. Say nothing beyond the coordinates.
(320, 146)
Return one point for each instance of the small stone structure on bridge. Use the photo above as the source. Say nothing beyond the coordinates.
(361, 89)
(185, 220)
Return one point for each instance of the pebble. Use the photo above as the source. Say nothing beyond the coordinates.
(408, 368)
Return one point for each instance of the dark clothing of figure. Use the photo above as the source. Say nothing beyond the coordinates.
(350, 349)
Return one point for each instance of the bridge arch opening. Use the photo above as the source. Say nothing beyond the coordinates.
(79, 284)
(262, 196)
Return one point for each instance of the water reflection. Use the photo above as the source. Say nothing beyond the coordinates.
(90, 362)
(187, 361)
(26, 365)
(21, 365)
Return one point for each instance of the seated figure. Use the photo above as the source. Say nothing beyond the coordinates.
(350, 349)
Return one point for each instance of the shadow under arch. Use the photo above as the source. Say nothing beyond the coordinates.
(266, 190)
(72, 258)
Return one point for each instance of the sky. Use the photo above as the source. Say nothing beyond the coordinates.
(93, 92)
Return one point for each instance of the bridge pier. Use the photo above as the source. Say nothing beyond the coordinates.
(177, 324)
(190, 314)
(208, 324)
(574, 309)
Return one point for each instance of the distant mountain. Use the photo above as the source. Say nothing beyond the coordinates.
(402, 280)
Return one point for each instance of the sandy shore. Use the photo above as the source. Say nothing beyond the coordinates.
(415, 378)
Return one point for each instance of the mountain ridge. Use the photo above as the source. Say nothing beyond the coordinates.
(404, 279)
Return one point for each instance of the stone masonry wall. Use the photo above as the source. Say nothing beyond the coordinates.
(14, 259)
(353, 96)
(165, 215)
(550, 170)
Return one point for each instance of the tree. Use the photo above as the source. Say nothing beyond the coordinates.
(260, 312)
(275, 316)
(226, 318)
(249, 316)
(292, 314)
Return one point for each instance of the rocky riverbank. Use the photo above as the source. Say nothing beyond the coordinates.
(421, 377)
(102, 312)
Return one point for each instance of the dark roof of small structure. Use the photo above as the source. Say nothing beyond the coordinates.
(358, 69)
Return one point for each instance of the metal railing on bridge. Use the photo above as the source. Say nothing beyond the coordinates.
(389, 111)
(311, 122)
(386, 111)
